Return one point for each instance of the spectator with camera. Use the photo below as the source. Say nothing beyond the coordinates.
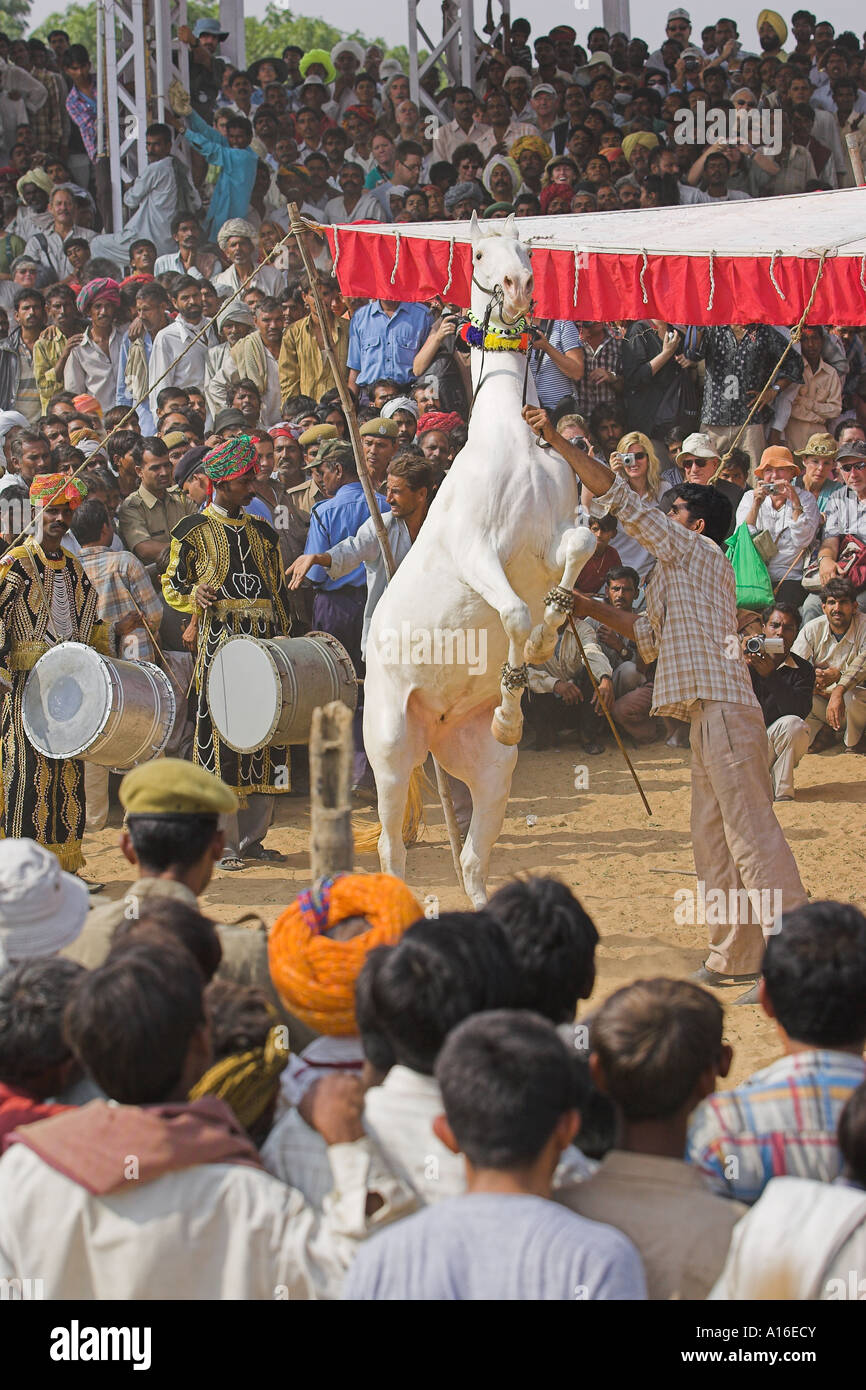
(836, 646)
(784, 684)
(845, 525)
(786, 515)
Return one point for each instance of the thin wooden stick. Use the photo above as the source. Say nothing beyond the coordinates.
(603, 706)
(159, 651)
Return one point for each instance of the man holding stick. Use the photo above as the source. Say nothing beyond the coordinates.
(689, 627)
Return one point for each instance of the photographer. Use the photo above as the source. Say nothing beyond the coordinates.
(689, 618)
(556, 359)
(443, 355)
(787, 514)
(784, 684)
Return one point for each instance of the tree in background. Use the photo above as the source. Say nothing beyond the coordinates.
(264, 36)
(14, 15)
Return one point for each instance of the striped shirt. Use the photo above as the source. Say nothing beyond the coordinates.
(845, 514)
(782, 1121)
(690, 621)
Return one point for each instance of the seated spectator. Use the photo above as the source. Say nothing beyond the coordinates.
(835, 644)
(561, 695)
(315, 970)
(632, 677)
(65, 1192)
(845, 513)
(657, 1052)
(553, 941)
(783, 684)
(783, 1119)
(605, 558)
(818, 462)
(512, 1106)
(806, 1240)
(36, 1062)
(42, 908)
(250, 1052)
(784, 511)
(408, 999)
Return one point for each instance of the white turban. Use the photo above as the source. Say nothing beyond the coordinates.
(234, 226)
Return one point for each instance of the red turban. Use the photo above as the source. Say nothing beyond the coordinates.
(440, 420)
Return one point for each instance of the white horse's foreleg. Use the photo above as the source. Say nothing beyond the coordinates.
(482, 570)
(574, 548)
(472, 754)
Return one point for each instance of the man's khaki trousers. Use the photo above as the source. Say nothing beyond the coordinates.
(736, 839)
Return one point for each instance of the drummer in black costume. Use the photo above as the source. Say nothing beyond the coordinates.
(225, 567)
(45, 598)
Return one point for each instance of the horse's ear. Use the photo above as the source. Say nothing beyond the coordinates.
(474, 229)
(509, 226)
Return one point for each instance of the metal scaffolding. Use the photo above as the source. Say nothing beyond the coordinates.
(137, 56)
(459, 51)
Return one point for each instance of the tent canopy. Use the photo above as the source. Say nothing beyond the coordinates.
(752, 261)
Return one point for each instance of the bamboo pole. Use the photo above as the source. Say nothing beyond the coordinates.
(332, 848)
(853, 144)
(297, 227)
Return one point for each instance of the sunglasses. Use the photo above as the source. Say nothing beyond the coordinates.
(695, 463)
(856, 467)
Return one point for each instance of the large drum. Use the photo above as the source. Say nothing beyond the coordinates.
(264, 691)
(79, 704)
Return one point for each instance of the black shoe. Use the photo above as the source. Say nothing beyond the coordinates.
(715, 980)
(593, 749)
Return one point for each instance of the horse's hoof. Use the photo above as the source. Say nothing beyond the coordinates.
(507, 729)
(539, 647)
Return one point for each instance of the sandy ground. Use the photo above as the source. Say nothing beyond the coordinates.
(624, 866)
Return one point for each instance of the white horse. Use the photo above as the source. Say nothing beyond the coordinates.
(484, 589)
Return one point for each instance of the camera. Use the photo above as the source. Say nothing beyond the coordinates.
(770, 488)
(691, 64)
(626, 459)
(763, 646)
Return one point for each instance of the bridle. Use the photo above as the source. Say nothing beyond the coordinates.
(497, 300)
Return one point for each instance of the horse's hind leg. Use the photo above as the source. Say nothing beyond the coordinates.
(469, 751)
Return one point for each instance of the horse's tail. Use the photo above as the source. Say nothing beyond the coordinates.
(366, 835)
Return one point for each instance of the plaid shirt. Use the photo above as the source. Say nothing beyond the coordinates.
(48, 124)
(690, 620)
(781, 1122)
(587, 394)
(116, 575)
(82, 109)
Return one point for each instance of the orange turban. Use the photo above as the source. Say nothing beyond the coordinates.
(314, 975)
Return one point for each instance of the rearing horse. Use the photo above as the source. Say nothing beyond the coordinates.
(482, 592)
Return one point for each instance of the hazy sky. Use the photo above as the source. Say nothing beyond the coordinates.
(388, 17)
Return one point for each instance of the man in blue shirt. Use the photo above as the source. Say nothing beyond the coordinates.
(237, 163)
(384, 337)
(338, 607)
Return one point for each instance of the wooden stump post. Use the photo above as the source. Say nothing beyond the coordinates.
(332, 848)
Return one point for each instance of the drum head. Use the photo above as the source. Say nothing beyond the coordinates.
(244, 695)
(67, 700)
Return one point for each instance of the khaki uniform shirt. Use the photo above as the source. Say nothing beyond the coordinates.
(143, 517)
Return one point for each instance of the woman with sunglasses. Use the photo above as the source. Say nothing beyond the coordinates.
(635, 460)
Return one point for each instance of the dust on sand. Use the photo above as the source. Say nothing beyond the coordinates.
(624, 866)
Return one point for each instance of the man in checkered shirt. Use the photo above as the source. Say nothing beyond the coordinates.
(689, 626)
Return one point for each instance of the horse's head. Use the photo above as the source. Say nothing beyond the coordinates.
(500, 261)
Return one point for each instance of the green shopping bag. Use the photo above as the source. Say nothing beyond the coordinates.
(754, 585)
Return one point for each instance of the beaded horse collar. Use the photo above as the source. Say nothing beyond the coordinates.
(511, 339)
